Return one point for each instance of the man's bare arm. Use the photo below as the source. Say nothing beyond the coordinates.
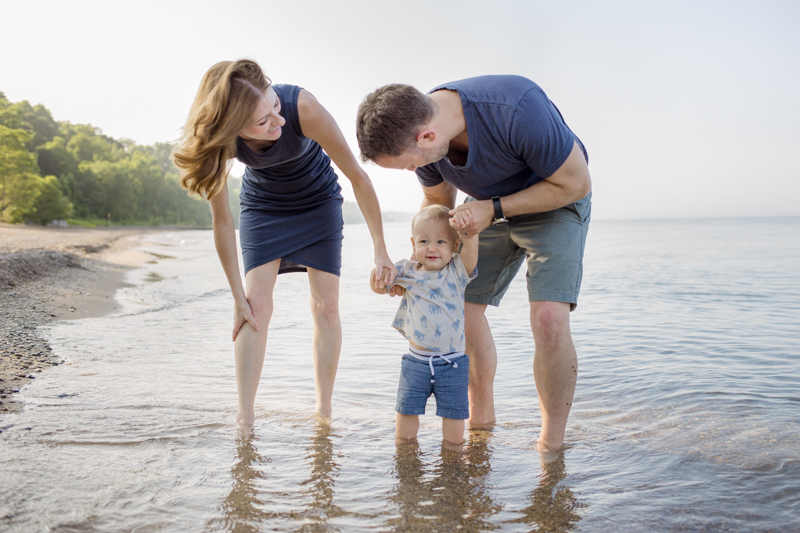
(568, 184)
(442, 194)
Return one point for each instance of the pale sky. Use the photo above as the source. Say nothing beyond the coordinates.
(687, 108)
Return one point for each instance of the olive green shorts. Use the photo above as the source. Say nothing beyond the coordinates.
(553, 243)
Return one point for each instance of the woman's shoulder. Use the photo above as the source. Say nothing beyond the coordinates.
(287, 90)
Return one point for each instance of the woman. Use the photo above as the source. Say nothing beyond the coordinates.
(291, 216)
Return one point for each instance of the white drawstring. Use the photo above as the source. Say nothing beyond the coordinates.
(425, 355)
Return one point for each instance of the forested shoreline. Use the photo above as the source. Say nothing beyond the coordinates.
(54, 170)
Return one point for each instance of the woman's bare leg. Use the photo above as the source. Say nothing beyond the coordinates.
(250, 344)
(327, 335)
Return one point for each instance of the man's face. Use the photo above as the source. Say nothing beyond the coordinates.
(413, 158)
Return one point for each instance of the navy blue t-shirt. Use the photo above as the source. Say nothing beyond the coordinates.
(517, 137)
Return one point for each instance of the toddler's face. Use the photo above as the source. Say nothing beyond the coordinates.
(434, 243)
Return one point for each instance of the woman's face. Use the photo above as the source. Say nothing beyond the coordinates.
(267, 122)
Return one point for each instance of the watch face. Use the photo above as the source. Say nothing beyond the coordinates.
(497, 221)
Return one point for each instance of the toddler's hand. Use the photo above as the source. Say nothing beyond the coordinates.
(461, 219)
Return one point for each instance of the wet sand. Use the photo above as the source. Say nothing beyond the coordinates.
(51, 274)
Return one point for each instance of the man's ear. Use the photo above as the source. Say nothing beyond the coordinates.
(426, 138)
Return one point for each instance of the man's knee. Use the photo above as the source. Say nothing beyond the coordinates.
(473, 313)
(549, 320)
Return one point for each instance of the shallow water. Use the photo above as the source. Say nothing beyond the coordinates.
(686, 416)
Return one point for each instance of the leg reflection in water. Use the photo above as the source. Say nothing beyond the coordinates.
(320, 483)
(553, 509)
(244, 509)
(448, 493)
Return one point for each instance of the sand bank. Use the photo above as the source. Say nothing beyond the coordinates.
(51, 274)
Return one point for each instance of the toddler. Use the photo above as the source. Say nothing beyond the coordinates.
(431, 317)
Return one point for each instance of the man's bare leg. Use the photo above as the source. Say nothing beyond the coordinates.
(482, 367)
(327, 335)
(555, 369)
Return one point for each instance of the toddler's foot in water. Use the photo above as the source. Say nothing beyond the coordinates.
(405, 441)
(323, 420)
(452, 446)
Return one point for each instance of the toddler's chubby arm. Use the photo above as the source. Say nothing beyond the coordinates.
(469, 251)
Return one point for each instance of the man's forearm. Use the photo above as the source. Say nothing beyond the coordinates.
(540, 198)
(568, 184)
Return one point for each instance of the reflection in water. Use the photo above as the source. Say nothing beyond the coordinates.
(320, 483)
(448, 495)
(243, 510)
(552, 509)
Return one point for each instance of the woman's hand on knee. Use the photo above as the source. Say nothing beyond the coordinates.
(241, 314)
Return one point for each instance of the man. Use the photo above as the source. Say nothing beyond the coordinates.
(500, 140)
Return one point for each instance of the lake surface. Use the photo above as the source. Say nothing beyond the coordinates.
(686, 415)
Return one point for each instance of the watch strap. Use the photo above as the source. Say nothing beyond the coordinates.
(498, 209)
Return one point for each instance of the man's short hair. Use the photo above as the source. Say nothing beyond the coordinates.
(432, 212)
(389, 120)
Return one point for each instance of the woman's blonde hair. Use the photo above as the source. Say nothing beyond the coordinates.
(226, 100)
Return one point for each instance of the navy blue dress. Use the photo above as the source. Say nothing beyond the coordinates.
(291, 201)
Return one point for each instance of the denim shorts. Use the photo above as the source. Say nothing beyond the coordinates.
(450, 387)
(553, 243)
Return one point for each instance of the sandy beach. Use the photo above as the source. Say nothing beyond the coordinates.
(51, 274)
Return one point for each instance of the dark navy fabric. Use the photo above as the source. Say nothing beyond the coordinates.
(517, 137)
(290, 198)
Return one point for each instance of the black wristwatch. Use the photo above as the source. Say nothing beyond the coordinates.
(498, 212)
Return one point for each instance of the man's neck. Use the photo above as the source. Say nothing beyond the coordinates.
(449, 119)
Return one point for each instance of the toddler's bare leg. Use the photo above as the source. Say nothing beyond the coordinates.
(453, 430)
(406, 426)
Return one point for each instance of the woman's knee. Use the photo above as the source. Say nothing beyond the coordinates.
(325, 307)
(260, 282)
(262, 309)
(324, 295)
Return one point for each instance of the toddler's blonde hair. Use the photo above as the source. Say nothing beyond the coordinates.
(433, 212)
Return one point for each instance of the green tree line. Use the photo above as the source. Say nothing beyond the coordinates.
(51, 170)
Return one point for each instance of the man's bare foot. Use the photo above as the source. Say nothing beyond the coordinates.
(548, 455)
(485, 426)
